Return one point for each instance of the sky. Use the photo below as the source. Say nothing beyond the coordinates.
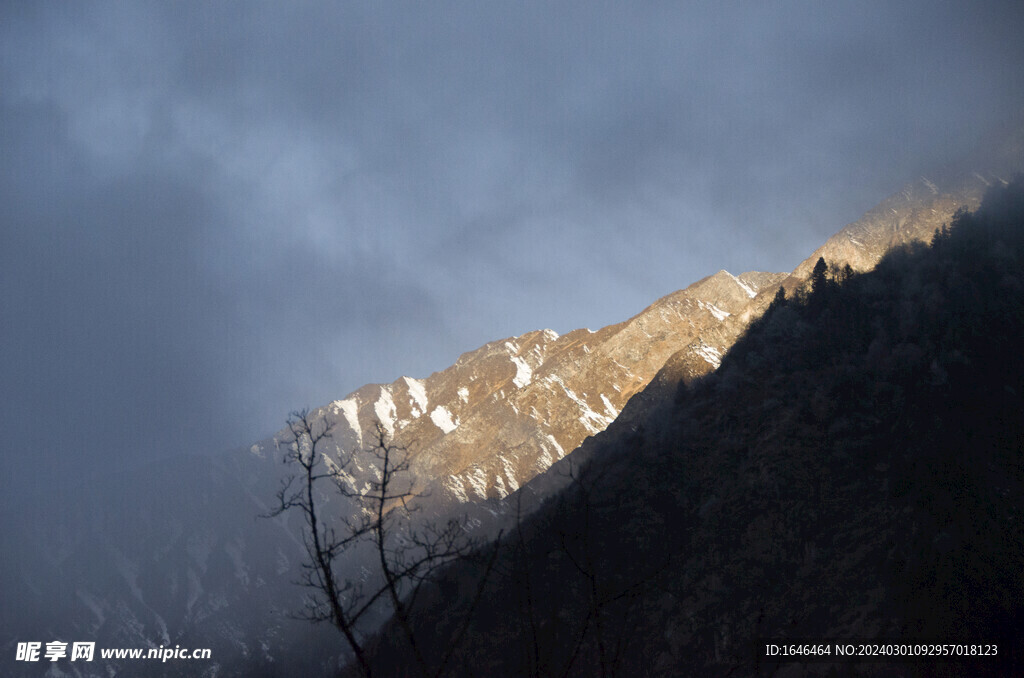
(212, 214)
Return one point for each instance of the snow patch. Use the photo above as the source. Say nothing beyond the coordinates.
(385, 410)
(591, 420)
(458, 489)
(588, 424)
(524, 375)
(746, 288)
(550, 335)
(350, 410)
(464, 394)
(419, 395)
(717, 312)
(499, 487)
(558, 448)
(510, 473)
(622, 367)
(256, 451)
(478, 482)
(931, 187)
(340, 474)
(714, 310)
(608, 407)
(442, 418)
(544, 459)
(710, 354)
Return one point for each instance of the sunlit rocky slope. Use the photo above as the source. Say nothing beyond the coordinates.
(508, 410)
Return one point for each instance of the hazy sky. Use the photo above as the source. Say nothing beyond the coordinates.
(212, 213)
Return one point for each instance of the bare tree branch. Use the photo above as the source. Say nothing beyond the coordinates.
(406, 557)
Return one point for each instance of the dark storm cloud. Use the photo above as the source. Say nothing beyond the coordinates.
(137, 307)
(213, 213)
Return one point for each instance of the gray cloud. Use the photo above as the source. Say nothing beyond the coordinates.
(215, 213)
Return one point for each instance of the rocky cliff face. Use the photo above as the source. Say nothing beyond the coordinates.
(508, 410)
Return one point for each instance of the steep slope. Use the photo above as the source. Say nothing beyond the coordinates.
(505, 412)
(508, 410)
(922, 206)
(853, 471)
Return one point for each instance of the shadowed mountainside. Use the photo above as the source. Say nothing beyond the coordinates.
(853, 470)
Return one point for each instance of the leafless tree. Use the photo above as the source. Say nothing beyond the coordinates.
(406, 555)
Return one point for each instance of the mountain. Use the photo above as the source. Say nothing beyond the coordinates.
(502, 415)
(177, 556)
(851, 473)
(173, 553)
(508, 410)
(922, 206)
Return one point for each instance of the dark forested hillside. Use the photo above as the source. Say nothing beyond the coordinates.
(853, 470)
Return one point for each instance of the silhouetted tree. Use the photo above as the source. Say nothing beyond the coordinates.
(819, 276)
(841, 274)
(382, 520)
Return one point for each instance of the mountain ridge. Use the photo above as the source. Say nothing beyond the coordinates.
(473, 448)
(852, 473)
(541, 393)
